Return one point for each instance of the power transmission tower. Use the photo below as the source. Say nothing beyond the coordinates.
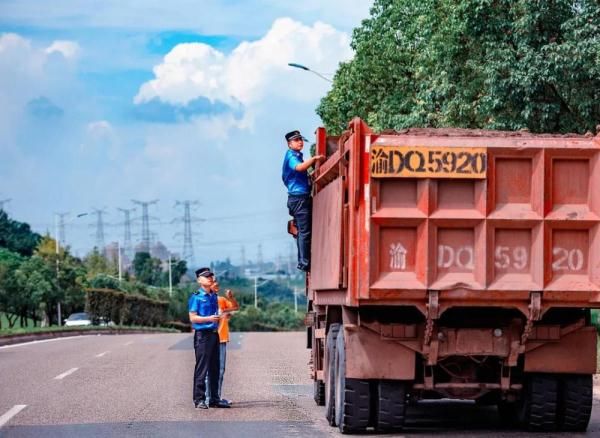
(187, 253)
(127, 248)
(145, 247)
(4, 201)
(99, 229)
(61, 228)
(243, 249)
(279, 266)
(259, 257)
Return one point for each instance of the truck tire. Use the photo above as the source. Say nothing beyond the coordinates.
(391, 406)
(540, 403)
(329, 366)
(575, 402)
(319, 392)
(352, 396)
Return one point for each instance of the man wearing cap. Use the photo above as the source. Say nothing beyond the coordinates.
(227, 306)
(204, 315)
(295, 178)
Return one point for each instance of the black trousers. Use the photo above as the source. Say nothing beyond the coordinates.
(300, 208)
(206, 347)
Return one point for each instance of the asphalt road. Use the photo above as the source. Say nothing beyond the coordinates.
(140, 386)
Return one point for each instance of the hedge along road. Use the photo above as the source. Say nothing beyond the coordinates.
(140, 385)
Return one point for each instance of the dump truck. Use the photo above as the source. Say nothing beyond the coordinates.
(455, 264)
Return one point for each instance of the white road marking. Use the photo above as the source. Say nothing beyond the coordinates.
(102, 354)
(42, 341)
(129, 343)
(65, 374)
(11, 413)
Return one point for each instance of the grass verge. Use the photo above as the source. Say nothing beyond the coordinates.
(51, 329)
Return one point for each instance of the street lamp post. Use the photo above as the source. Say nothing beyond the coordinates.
(170, 278)
(57, 249)
(58, 308)
(119, 259)
(295, 299)
(256, 286)
(305, 68)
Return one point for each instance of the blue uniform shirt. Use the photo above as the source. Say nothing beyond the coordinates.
(297, 183)
(204, 304)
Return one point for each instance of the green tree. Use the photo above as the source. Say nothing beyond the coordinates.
(38, 286)
(147, 269)
(17, 236)
(103, 281)
(11, 298)
(47, 278)
(96, 264)
(178, 269)
(495, 64)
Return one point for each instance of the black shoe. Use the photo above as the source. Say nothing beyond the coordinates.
(219, 404)
(303, 268)
(201, 405)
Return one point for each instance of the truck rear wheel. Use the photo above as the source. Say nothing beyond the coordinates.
(352, 396)
(329, 366)
(391, 406)
(575, 402)
(540, 403)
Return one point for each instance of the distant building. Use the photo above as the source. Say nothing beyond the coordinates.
(159, 251)
(112, 256)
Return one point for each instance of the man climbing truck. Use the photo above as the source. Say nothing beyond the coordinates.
(454, 263)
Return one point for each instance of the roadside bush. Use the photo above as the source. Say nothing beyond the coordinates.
(180, 326)
(125, 309)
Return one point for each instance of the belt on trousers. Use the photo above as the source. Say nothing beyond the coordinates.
(207, 330)
(299, 196)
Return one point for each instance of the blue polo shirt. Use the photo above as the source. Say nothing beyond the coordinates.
(204, 304)
(297, 183)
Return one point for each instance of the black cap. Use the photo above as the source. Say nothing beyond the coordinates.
(204, 272)
(292, 135)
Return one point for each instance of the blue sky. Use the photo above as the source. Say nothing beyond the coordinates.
(104, 102)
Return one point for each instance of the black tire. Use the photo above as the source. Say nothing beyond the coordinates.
(352, 396)
(540, 403)
(391, 406)
(575, 402)
(329, 367)
(508, 414)
(319, 392)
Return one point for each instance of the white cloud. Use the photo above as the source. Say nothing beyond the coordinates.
(26, 71)
(101, 139)
(188, 71)
(10, 41)
(68, 49)
(253, 71)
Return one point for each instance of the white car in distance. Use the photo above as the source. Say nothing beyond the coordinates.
(78, 319)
